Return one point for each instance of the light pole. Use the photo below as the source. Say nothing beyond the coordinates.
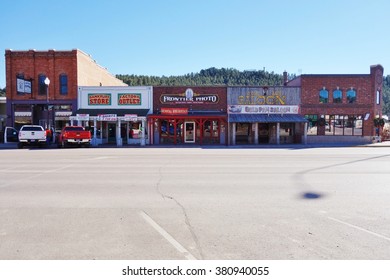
(47, 83)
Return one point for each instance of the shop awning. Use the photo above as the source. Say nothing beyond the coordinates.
(118, 112)
(266, 118)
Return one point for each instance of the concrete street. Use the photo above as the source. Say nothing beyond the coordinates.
(195, 203)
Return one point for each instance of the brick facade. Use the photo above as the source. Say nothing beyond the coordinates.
(32, 63)
(78, 67)
(365, 85)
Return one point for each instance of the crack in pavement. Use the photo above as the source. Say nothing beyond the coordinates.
(184, 211)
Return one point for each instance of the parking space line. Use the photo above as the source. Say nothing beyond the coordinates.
(360, 228)
(167, 236)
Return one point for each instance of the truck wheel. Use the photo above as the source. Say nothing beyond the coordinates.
(20, 146)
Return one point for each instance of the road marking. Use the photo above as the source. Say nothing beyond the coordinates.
(360, 228)
(167, 236)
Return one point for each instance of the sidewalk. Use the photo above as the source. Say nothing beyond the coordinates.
(383, 144)
(4, 146)
(379, 144)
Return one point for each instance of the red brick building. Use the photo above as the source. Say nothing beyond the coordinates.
(188, 115)
(42, 86)
(341, 108)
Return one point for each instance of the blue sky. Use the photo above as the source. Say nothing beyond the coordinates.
(174, 37)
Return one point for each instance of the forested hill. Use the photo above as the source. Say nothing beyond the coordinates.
(229, 77)
(208, 77)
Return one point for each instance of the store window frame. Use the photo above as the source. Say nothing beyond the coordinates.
(344, 125)
(211, 131)
(19, 76)
(42, 88)
(63, 84)
(312, 124)
(351, 96)
(337, 96)
(168, 127)
(324, 96)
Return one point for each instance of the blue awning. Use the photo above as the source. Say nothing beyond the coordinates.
(266, 118)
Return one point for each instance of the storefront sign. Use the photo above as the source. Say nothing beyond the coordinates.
(261, 99)
(99, 99)
(82, 117)
(189, 97)
(130, 117)
(264, 96)
(107, 117)
(265, 109)
(129, 99)
(174, 111)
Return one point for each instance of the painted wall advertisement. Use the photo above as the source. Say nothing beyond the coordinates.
(264, 96)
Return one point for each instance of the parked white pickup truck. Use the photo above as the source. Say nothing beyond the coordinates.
(32, 135)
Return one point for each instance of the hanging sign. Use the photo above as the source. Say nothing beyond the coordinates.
(107, 117)
(130, 117)
(82, 117)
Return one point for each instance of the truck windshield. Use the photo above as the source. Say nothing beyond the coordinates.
(32, 128)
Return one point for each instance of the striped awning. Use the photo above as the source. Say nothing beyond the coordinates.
(23, 114)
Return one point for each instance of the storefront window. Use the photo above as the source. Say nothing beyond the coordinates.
(312, 125)
(242, 133)
(63, 84)
(168, 129)
(41, 85)
(210, 132)
(351, 96)
(329, 125)
(358, 126)
(337, 96)
(286, 133)
(347, 125)
(324, 96)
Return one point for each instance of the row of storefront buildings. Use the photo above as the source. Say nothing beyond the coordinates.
(59, 88)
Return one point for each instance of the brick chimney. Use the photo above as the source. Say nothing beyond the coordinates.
(285, 78)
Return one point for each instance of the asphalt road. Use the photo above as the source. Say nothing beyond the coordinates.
(194, 203)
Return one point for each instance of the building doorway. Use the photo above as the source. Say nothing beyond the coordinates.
(189, 132)
(263, 133)
(111, 133)
(243, 131)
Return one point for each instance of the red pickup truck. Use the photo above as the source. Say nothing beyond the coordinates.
(74, 135)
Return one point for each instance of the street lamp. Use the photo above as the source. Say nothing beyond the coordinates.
(47, 83)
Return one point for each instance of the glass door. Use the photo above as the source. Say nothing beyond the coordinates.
(189, 132)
